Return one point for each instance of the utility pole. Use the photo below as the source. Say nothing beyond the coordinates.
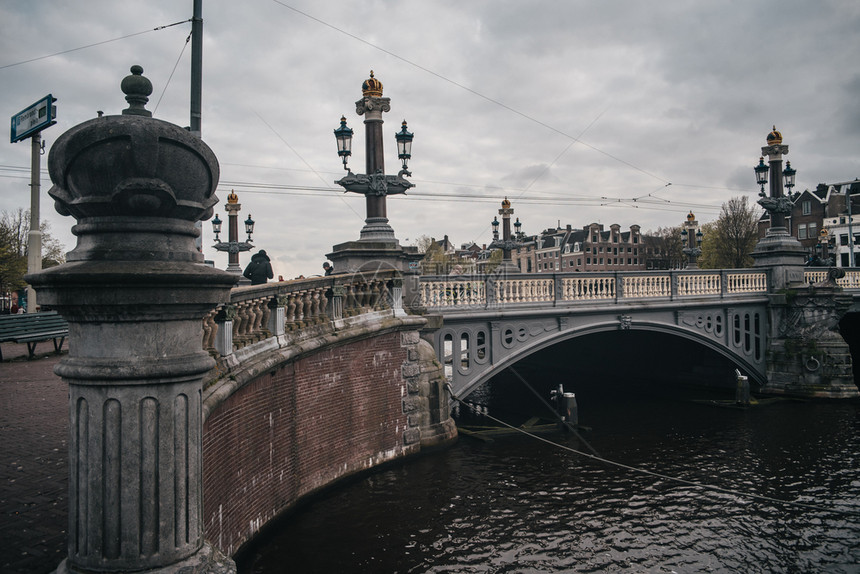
(34, 237)
(197, 88)
(196, 67)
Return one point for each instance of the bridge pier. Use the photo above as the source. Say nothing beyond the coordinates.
(806, 355)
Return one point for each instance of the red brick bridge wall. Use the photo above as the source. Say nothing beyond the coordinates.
(300, 426)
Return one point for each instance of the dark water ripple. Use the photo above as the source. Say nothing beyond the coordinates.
(520, 506)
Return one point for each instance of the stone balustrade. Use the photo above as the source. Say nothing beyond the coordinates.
(531, 290)
(851, 280)
(439, 292)
(699, 284)
(258, 312)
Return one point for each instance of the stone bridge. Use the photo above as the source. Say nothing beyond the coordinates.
(183, 388)
(492, 322)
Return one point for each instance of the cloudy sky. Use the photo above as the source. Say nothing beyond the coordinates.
(623, 112)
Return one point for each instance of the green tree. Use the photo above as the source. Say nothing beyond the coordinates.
(730, 240)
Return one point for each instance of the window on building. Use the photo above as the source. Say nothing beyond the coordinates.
(588, 260)
(813, 230)
(801, 231)
(806, 207)
(845, 260)
(594, 239)
(635, 239)
(579, 262)
(843, 239)
(601, 260)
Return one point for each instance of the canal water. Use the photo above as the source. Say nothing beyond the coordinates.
(520, 504)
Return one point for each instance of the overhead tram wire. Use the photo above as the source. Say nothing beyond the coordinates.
(471, 91)
(185, 45)
(684, 481)
(298, 155)
(92, 45)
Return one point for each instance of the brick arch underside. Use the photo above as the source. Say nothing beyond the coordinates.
(745, 366)
(298, 427)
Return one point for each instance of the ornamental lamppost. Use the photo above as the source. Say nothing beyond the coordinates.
(777, 204)
(374, 185)
(506, 243)
(233, 246)
(692, 241)
(778, 250)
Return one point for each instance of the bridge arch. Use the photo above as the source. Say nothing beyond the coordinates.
(473, 352)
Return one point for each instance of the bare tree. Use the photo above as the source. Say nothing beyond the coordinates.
(14, 230)
(730, 242)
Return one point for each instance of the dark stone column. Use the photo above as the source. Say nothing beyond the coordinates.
(135, 291)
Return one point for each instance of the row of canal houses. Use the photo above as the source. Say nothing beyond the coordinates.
(825, 222)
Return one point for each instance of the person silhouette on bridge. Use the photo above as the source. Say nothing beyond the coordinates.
(259, 270)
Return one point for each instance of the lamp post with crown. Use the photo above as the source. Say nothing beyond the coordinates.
(507, 243)
(778, 249)
(232, 246)
(377, 241)
(691, 239)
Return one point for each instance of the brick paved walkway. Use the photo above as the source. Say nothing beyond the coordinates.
(34, 424)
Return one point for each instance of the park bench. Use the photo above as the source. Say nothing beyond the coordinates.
(31, 328)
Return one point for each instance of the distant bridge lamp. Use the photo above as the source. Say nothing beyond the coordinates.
(692, 243)
(232, 246)
(507, 243)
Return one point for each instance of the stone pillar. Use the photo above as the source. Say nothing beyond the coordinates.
(135, 291)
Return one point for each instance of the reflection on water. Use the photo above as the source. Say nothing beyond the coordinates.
(520, 505)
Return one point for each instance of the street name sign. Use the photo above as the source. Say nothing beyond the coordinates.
(34, 119)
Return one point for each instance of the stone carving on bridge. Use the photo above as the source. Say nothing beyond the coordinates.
(711, 323)
(625, 322)
(809, 356)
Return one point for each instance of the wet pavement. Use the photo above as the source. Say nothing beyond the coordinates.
(34, 487)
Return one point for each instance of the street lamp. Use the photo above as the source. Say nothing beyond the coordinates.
(506, 244)
(518, 233)
(374, 185)
(232, 246)
(788, 177)
(249, 226)
(761, 175)
(691, 241)
(343, 135)
(777, 205)
(404, 144)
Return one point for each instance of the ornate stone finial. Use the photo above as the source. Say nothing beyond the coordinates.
(690, 217)
(371, 87)
(137, 89)
(774, 137)
(506, 204)
(232, 198)
(131, 166)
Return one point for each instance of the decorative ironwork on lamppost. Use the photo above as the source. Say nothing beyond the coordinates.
(374, 185)
(232, 246)
(692, 242)
(776, 204)
(506, 243)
